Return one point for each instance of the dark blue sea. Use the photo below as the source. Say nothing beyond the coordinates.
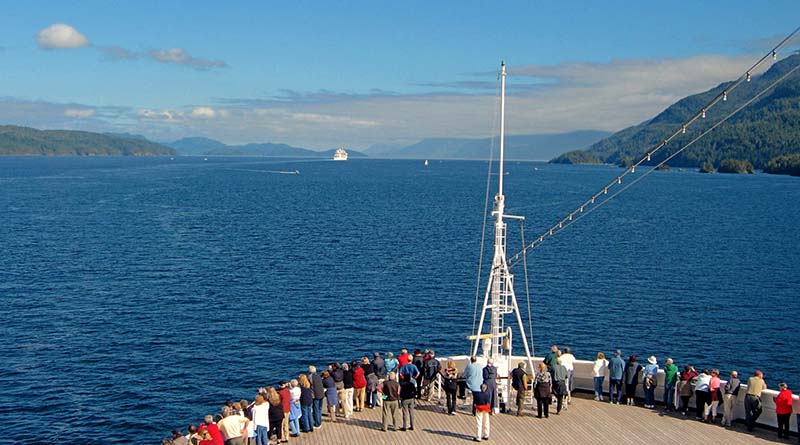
(140, 293)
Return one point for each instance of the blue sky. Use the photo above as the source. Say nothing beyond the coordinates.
(321, 74)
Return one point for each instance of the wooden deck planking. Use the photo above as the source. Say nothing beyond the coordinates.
(586, 421)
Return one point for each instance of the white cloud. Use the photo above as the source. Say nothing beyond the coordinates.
(203, 113)
(179, 56)
(60, 36)
(168, 116)
(603, 96)
(79, 113)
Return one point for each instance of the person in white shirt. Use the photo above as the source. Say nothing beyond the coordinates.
(568, 360)
(261, 419)
(599, 374)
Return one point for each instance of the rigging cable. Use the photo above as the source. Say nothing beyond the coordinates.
(579, 213)
(485, 210)
(527, 288)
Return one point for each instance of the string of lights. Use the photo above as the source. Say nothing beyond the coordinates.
(602, 197)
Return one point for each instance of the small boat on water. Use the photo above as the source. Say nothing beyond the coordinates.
(426, 163)
(340, 154)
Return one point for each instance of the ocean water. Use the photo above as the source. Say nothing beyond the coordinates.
(140, 293)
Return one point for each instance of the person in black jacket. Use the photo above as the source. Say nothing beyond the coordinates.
(347, 398)
(430, 374)
(490, 380)
(407, 403)
(450, 376)
(319, 394)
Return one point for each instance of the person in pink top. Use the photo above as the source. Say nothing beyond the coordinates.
(783, 409)
(714, 396)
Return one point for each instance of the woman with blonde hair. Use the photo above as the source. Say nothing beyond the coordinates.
(599, 374)
(306, 404)
(275, 413)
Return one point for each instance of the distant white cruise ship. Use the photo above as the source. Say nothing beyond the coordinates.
(340, 155)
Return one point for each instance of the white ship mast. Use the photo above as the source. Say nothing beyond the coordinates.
(500, 299)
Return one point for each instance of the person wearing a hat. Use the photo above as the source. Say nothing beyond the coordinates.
(752, 400)
(391, 363)
(783, 409)
(649, 381)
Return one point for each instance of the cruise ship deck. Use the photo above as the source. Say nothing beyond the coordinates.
(586, 421)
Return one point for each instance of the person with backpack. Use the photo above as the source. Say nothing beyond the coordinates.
(649, 382)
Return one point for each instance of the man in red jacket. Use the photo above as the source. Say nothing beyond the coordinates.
(402, 358)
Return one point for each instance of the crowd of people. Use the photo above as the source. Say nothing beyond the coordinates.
(295, 407)
(681, 385)
(394, 385)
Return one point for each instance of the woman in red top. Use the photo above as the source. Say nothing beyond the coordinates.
(359, 384)
(783, 409)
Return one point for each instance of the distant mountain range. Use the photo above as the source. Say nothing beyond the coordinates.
(764, 130)
(519, 147)
(200, 146)
(19, 141)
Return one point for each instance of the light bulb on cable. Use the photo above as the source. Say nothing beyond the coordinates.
(748, 76)
(605, 191)
(633, 169)
(724, 96)
(570, 216)
(592, 199)
(581, 209)
(774, 55)
(551, 232)
(619, 179)
(704, 113)
(648, 157)
(560, 225)
(683, 130)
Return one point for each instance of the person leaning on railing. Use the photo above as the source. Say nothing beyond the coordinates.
(752, 400)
